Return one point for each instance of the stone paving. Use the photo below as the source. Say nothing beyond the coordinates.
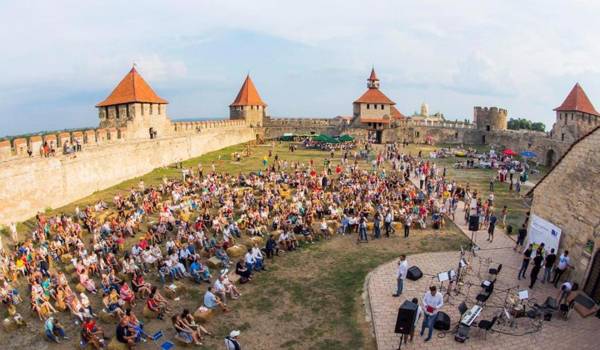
(575, 333)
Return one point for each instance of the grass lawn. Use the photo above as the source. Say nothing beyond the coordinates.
(308, 299)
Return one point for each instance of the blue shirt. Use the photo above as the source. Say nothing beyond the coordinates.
(210, 301)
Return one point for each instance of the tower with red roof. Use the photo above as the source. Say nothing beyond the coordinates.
(575, 117)
(248, 105)
(373, 109)
(135, 106)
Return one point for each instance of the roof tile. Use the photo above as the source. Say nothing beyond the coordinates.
(248, 95)
(133, 88)
(577, 101)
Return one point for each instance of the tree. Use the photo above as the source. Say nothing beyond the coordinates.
(525, 124)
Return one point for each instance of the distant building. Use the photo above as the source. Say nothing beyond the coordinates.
(135, 106)
(248, 105)
(373, 110)
(575, 117)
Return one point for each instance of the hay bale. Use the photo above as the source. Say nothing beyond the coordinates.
(69, 269)
(233, 277)
(75, 277)
(250, 242)
(149, 314)
(276, 234)
(179, 290)
(80, 288)
(203, 315)
(9, 325)
(105, 317)
(236, 251)
(214, 262)
(66, 258)
(114, 344)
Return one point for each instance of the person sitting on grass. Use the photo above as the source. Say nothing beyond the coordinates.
(54, 330)
(258, 258)
(92, 334)
(126, 294)
(139, 286)
(199, 272)
(125, 334)
(271, 247)
(211, 301)
(188, 319)
(221, 254)
(157, 304)
(185, 332)
(244, 272)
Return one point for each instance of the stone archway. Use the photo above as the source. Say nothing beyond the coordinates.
(550, 158)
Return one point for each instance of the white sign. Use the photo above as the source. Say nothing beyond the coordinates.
(542, 231)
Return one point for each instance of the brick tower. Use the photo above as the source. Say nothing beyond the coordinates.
(248, 105)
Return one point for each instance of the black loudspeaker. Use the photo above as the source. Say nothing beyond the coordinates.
(406, 317)
(474, 223)
(442, 321)
(414, 273)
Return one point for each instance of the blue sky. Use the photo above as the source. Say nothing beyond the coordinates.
(307, 58)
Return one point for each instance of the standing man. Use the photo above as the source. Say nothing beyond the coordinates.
(537, 266)
(563, 265)
(402, 270)
(526, 258)
(407, 224)
(492, 226)
(387, 224)
(548, 264)
(432, 302)
(521, 237)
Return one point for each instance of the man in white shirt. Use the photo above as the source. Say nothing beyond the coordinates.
(432, 302)
(401, 275)
(563, 264)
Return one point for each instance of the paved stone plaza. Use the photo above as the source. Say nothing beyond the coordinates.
(576, 333)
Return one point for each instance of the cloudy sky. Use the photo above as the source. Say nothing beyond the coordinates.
(308, 58)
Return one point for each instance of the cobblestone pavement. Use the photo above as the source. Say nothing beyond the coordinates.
(575, 333)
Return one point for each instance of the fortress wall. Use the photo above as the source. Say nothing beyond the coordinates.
(29, 185)
(537, 142)
(276, 127)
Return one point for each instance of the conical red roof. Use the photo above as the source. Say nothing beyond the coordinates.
(133, 88)
(577, 101)
(373, 76)
(248, 95)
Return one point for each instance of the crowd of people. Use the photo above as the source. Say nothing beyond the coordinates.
(124, 252)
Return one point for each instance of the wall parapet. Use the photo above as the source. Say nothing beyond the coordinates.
(438, 124)
(199, 125)
(55, 143)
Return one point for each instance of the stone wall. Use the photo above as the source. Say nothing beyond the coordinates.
(548, 150)
(568, 197)
(276, 127)
(29, 185)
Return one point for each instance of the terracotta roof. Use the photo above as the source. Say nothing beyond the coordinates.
(560, 160)
(248, 95)
(577, 101)
(374, 96)
(396, 113)
(133, 88)
(373, 75)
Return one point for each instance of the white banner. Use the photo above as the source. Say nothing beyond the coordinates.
(542, 231)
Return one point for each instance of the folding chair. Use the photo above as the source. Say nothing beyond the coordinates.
(164, 346)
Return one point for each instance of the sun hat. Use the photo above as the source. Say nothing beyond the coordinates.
(234, 333)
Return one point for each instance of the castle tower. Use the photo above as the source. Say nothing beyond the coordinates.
(374, 110)
(373, 81)
(248, 105)
(424, 110)
(134, 105)
(575, 117)
(490, 118)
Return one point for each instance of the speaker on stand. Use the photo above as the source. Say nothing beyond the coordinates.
(405, 320)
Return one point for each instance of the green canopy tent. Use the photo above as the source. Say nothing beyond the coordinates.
(346, 138)
(287, 137)
(325, 139)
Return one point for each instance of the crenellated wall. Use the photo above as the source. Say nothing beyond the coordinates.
(29, 185)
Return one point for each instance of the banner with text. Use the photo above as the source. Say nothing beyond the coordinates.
(543, 231)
